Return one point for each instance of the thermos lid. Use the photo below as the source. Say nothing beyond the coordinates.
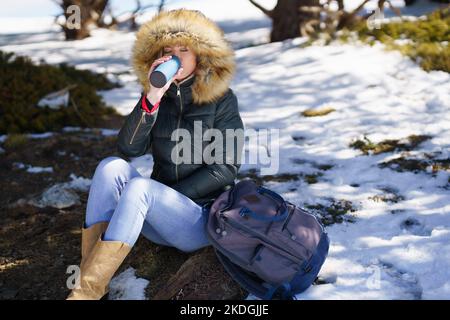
(164, 71)
(158, 79)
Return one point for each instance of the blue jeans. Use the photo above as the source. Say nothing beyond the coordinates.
(133, 205)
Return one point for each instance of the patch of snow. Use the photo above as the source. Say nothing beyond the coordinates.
(63, 195)
(103, 131)
(20, 165)
(39, 169)
(31, 169)
(126, 286)
(75, 129)
(55, 100)
(109, 132)
(57, 197)
(78, 183)
(40, 135)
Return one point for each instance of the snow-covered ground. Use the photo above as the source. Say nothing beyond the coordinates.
(394, 249)
(381, 95)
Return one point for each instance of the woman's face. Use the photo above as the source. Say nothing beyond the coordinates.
(187, 57)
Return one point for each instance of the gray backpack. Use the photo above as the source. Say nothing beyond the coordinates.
(271, 247)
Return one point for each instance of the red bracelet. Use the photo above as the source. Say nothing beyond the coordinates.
(145, 107)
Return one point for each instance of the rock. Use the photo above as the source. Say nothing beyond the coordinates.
(201, 277)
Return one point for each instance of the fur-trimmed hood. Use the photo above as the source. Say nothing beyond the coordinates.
(216, 64)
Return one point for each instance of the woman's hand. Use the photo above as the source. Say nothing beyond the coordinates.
(155, 94)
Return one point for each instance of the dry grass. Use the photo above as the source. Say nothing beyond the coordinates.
(390, 145)
(317, 112)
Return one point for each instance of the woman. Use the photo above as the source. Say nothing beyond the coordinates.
(170, 207)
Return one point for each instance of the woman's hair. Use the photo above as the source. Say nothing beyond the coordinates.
(215, 55)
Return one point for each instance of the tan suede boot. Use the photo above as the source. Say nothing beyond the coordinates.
(89, 237)
(98, 269)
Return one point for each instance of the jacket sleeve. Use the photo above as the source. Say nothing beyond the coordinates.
(212, 177)
(135, 135)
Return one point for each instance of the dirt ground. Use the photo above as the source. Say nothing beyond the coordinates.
(38, 244)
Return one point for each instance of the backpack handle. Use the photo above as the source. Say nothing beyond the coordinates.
(268, 192)
(261, 190)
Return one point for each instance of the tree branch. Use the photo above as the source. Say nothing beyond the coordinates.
(264, 10)
(354, 12)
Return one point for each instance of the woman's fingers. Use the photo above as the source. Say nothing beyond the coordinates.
(179, 72)
(161, 60)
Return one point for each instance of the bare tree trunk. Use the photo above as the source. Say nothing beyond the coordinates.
(287, 19)
(91, 12)
(201, 277)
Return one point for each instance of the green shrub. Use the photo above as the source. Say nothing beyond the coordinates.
(23, 84)
(428, 39)
(15, 140)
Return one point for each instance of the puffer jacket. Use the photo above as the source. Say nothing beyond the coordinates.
(204, 97)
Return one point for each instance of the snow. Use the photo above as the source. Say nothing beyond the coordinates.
(63, 195)
(40, 135)
(126, 286)
(57, 197)
(393, 249)
(103, 131)
(39, 169)
(78, 183)
(54, 100)
(109, 132)
(381, 95)
(31, 169)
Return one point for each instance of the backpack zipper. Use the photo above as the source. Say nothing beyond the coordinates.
(229, 200)
(288, 219)
(273, 245)
(137, 127)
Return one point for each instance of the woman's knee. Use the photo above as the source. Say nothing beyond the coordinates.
(139, 190)
(111, 166)
(139, 184)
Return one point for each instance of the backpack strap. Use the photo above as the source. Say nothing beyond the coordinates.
(274, 196)
(251, 284)
(284, 288)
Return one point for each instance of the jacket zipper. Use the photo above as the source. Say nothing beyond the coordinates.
(138, 125)
(178, 126)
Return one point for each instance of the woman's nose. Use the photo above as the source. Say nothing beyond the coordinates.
(176, 53)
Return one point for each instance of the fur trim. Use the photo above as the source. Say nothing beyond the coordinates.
(215, 57)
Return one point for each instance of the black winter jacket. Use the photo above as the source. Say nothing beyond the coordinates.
(144, 132)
